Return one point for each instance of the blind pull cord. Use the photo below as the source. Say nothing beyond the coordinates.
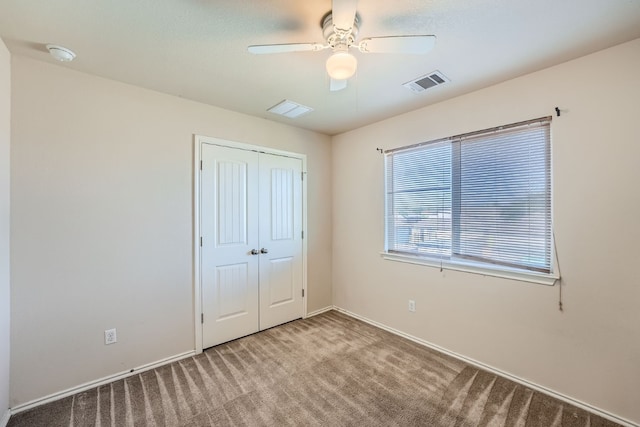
(560, 295)
(555, 253)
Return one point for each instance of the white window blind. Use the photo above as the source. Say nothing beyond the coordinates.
(483, 198)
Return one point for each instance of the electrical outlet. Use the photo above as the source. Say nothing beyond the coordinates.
(412, 305)
(110, 336)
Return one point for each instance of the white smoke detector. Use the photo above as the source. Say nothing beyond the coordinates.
(61, 53)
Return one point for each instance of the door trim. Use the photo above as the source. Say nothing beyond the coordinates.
(198, 142)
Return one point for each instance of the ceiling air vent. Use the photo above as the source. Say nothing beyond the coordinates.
(427, 81)
(290, 109)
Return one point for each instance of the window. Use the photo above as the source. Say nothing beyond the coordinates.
(479, 202)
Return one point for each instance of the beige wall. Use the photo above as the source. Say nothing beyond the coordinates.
(5, 115)
(590, 352)
(101, 222)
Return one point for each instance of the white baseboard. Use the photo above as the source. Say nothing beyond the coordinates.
(316, 312)
(96, 383)
(5, 418)
(514, 378)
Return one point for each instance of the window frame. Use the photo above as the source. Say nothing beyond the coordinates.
(464, 264)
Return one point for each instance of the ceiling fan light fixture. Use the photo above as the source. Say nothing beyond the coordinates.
(341, 65)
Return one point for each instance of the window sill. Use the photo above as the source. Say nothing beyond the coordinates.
(469, 267)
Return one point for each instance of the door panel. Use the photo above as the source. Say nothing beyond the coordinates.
(282, 281)
(281, 272)
(232, 199)
(232, 291)
(229, 224)
(282, 204)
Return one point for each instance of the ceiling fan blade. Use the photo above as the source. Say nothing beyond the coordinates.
(336, 85)
(343, 13)
(398, 44)
(283, 48)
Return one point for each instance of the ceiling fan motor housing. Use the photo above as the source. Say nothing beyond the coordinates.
(337, 37)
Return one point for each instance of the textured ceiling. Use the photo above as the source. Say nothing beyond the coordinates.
(196, 49)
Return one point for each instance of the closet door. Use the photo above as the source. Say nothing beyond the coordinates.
(229, 256)
(281, 271)
(251, 255)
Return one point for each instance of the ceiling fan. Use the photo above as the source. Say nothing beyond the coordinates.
(340, 29)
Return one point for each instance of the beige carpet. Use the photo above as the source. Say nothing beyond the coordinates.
(329, 370)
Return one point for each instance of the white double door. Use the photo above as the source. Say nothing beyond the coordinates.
(251, 255)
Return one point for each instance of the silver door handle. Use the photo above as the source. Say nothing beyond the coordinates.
(254, 252)
(264, 251)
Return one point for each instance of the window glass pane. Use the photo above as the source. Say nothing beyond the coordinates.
(419, 200)
(505, 199)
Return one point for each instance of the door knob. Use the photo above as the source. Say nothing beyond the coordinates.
(254, 252)
(264, 251)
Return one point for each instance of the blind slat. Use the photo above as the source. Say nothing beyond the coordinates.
(486, 197)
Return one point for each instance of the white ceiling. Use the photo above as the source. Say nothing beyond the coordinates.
(196, 49)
